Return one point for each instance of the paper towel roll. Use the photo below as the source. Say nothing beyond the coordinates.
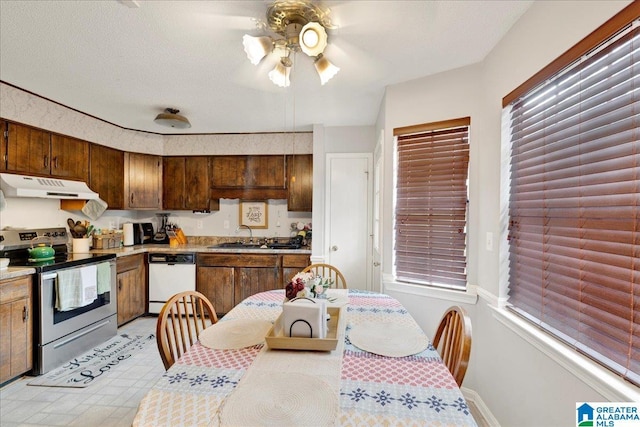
(127, 229)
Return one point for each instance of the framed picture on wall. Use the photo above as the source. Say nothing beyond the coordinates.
(254, 214)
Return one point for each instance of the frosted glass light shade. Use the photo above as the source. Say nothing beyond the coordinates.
(171, 118)
(313, 39)
(257, 48)
(326, 70)
(280, 75)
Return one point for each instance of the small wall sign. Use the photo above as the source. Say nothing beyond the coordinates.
(254, 214)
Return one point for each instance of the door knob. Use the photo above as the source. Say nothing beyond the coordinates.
(334, 248)
(376, 264)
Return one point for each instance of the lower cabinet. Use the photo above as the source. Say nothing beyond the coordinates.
(292, 265)
(131, 281)
(16, 327)
(227, 279)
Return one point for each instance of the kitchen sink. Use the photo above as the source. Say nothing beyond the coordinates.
(242, 245)
(238, 245)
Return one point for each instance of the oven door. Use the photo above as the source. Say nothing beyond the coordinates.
(63, 335)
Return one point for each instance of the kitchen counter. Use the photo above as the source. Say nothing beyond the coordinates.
(140, 249)
(13, 272)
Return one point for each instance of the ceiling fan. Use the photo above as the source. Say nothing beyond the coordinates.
(298, 25)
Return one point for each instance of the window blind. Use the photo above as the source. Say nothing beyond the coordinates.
(431, 205)
(574, 231)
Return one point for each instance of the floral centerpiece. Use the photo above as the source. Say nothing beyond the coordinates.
(307, 285)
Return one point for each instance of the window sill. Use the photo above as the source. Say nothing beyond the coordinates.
(603, 381)
(468, 296)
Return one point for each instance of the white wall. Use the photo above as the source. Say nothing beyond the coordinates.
(519, 382)
(342, 139)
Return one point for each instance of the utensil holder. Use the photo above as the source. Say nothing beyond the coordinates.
(80, 245)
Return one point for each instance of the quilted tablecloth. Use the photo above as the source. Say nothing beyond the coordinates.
(374, 390)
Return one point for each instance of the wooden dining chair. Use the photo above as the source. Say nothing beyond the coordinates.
(181, 320)
(453, 341)
(328, 271)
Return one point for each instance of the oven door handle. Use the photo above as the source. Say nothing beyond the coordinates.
(49, 276)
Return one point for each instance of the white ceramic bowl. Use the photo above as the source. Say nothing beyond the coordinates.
(4, 263)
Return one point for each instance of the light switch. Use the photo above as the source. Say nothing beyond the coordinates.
(489, 241)
(226, 224)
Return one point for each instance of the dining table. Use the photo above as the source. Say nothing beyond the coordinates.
(384, 371)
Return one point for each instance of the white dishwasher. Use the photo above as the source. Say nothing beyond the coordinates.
(170, 273)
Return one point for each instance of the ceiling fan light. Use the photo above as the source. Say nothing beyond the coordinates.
(326, 70)
(313, 39)
(257, 48)
(280, 75)
(171, 118)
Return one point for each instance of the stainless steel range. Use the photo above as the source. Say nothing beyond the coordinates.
(74, 295)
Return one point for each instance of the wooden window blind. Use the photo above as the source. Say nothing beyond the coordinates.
(432, 163)
(574, 207)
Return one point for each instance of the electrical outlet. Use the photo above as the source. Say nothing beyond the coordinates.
(226, 224)
(199, 224)
(489, 241)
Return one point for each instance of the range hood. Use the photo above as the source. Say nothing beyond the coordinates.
(48, 188)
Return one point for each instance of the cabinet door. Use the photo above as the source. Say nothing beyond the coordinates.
(69, 158)
(196, 183)
(131, 280)
(217, 284)
(228, 171)
(106, 175)
(265, 171)
(3, 145)
(16, 342)
(292, 265)
(253, 280)
(173, 183)
(28, 150)
(300, 183)
(143, 181)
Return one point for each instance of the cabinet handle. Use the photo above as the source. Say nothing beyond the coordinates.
(119, 284)
(25, 313)
(55, 162)
(46, 161)
(132, 198)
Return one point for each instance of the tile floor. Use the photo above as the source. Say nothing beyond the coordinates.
(110, 402)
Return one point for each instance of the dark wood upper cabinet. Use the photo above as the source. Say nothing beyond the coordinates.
(69, 158)
(34, 151)
(185, 184)
(248, 177)
(142, 181)
(300, 182)
(106, 175)
(28, 150)
(3, 145)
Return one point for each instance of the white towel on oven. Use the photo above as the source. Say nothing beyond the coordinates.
(89, 284)
(76, 287)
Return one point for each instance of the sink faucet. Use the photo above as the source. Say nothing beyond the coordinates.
(250, 232)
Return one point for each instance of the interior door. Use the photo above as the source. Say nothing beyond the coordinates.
(376, 253)
(348, 217)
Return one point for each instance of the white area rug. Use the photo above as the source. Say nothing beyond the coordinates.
(93, 365)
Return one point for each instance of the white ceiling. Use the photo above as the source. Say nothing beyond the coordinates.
(126, 64)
